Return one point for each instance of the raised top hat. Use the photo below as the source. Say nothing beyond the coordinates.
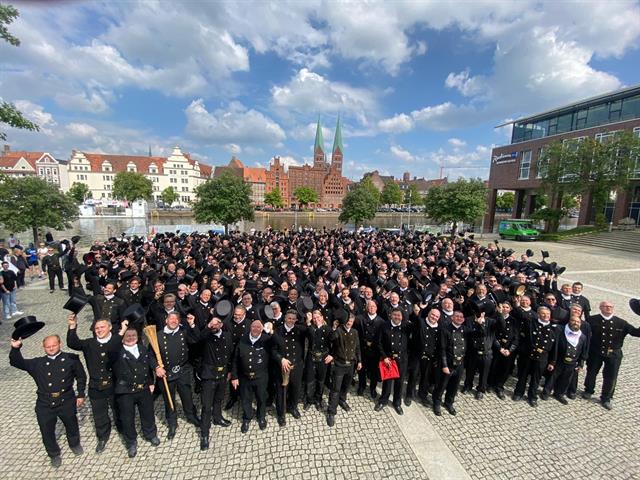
(545, 254)
(126, 275)
(529, 252)
(76, 238)
(222, 309)
(634, 305)
(304, 304)
(335, 273)
(268, 312)
(26, 326)
(134, 314)
(413, 297)
(76, 303)
(341, 315)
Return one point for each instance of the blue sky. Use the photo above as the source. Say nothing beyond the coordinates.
(417, 84)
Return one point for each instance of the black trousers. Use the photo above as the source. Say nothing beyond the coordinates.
(560, 381)
(127, 403)
(183, 386)
(448, 384)
(53, 274)
(101, 401)
(340, 381)
(429, 375)
(609, 374)
(48, 417)
(212, 395)
(369, 370)
(253, 388)
(480, 363)
(316, 373)
(529, 367)
(288, 397)
(502, 367)
(396, 384)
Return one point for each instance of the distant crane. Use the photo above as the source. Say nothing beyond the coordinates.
(468, 167)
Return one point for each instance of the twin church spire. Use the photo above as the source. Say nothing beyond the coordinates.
(336, 151)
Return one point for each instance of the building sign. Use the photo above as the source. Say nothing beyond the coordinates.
(505, 158)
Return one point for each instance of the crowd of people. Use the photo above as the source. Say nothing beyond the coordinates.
(296, 318)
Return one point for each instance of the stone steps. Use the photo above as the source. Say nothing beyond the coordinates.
(627, 241)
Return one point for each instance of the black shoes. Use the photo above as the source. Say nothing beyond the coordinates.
(102, 444)
(331, 420)
(223, 422)
(571, 396)
(282, 421)
(229, 404)
(360, 392)
(465, 389)
(262, 424)
(398, 409)
(562, 399)
(544, 396)
(204, 442)
(450, 408)
(155, 441)
(319, 405)
(378, 407)
(516, 398)
(500, 394)
(533, 402)
(407, 401)
(373, 393)
(172, 432)
(306, 406)
(245, 426)
(295, 413)
(77, 450)
(479, 395)
(193, 420)
(56, 461)
(607, 404)
(344, 405)
(586, 395)
(437, 409)
(132, 451)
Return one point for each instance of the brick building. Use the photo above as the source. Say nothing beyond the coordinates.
(256, 177)
(515, 166)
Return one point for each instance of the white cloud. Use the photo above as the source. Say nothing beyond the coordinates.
(456, 143)
(467, 86)
(401, 154)
(236, 124)
(81, 129)
(93, 102)
(309, 92)
(397, 124)
(233, 148)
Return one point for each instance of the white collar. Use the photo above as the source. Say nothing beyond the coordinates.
(608, 317)
(253, 339)
(168, 331)
(372, 316)
(544, 324)
(109, 297)
(218, 334)
(432, 325)
(134, 350)
(134, 291)
(55, 356)
(104, 340)
(287, 328)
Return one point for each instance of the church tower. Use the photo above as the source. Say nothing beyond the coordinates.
(319, 158)
(336, 154)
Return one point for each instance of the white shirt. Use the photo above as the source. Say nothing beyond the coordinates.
(168, 331)
(133, 350)
(253, 339)
(288, 328)
(544, 324)
(607, 317)
(55, 356)
(104, 340)
(572, 337)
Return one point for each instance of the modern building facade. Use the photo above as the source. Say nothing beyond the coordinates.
(516, 166)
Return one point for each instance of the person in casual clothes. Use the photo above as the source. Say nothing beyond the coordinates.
(9, 288)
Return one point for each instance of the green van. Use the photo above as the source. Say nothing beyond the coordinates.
(518, 229)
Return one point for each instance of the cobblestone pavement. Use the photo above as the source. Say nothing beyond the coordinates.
(362, 445)
(490, 438)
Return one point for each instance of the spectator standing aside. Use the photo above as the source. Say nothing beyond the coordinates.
(8, 289)
(32, 261)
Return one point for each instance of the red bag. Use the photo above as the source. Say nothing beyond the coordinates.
(390, 372)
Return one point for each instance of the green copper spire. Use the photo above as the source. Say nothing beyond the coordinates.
(319, 140)
(337, 139)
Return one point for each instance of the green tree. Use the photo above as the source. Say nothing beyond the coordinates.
(32, 202)
(361, 203)
(226, 199)
(132, 186)
(391, 194)
(168, 196)
(79, 192)
(274, 198)
(412, 196)
(505, 201)
(305, 196)
(459, 201)
(9, 114)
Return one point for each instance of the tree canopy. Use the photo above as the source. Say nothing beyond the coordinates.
(274, 198)
(361, 203)
(132, 186)
(391, 194)
(169, 195)
(9, 114)
(459, 201)
(226, 199)
(79, 192)
(32, 202)
(305, 195)
(505, 201)
(412, 196)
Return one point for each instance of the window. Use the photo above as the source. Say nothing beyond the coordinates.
(615, 110)
(605, 137)
(185, 189)
(631, 108)
(598, 114)
(543, 164)
(525, 165)
(173, 180)
(185, 180)
(41, 171)
(172, 172)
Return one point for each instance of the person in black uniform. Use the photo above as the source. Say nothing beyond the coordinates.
(345, 351)
(215, 368)
(239, 325)
(368, 327)
(174, 340)
(572, 353)
(538, 350)
(51, 264)
(96, 351)
(108, 305)
(423, 351)
(288, 353)
(479, 351)
(505, 347)
(393, 344)
(318, 358)
(54, 375)
(452, 349)
(134, 386)
(250, 373)
(607, 338)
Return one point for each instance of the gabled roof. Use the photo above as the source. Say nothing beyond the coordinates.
(119, 162)
(236, 163)
(255, 175)
(9, 159)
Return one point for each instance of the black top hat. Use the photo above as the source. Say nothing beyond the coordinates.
(517, 289)
(76, 303)
(529, 252)
(134, 314)
(268, 312)
(391, 285)
(76, 238)
(341, 315)
(304, 305)
(413, 297)
(545, 254)
(26, 326)
(634, 305)
(126, 275)
(222, 309)
(335, 273)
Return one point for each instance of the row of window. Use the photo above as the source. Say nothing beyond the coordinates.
(47, 171)
(611, 112)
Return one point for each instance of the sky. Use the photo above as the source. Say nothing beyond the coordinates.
(418, 85)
